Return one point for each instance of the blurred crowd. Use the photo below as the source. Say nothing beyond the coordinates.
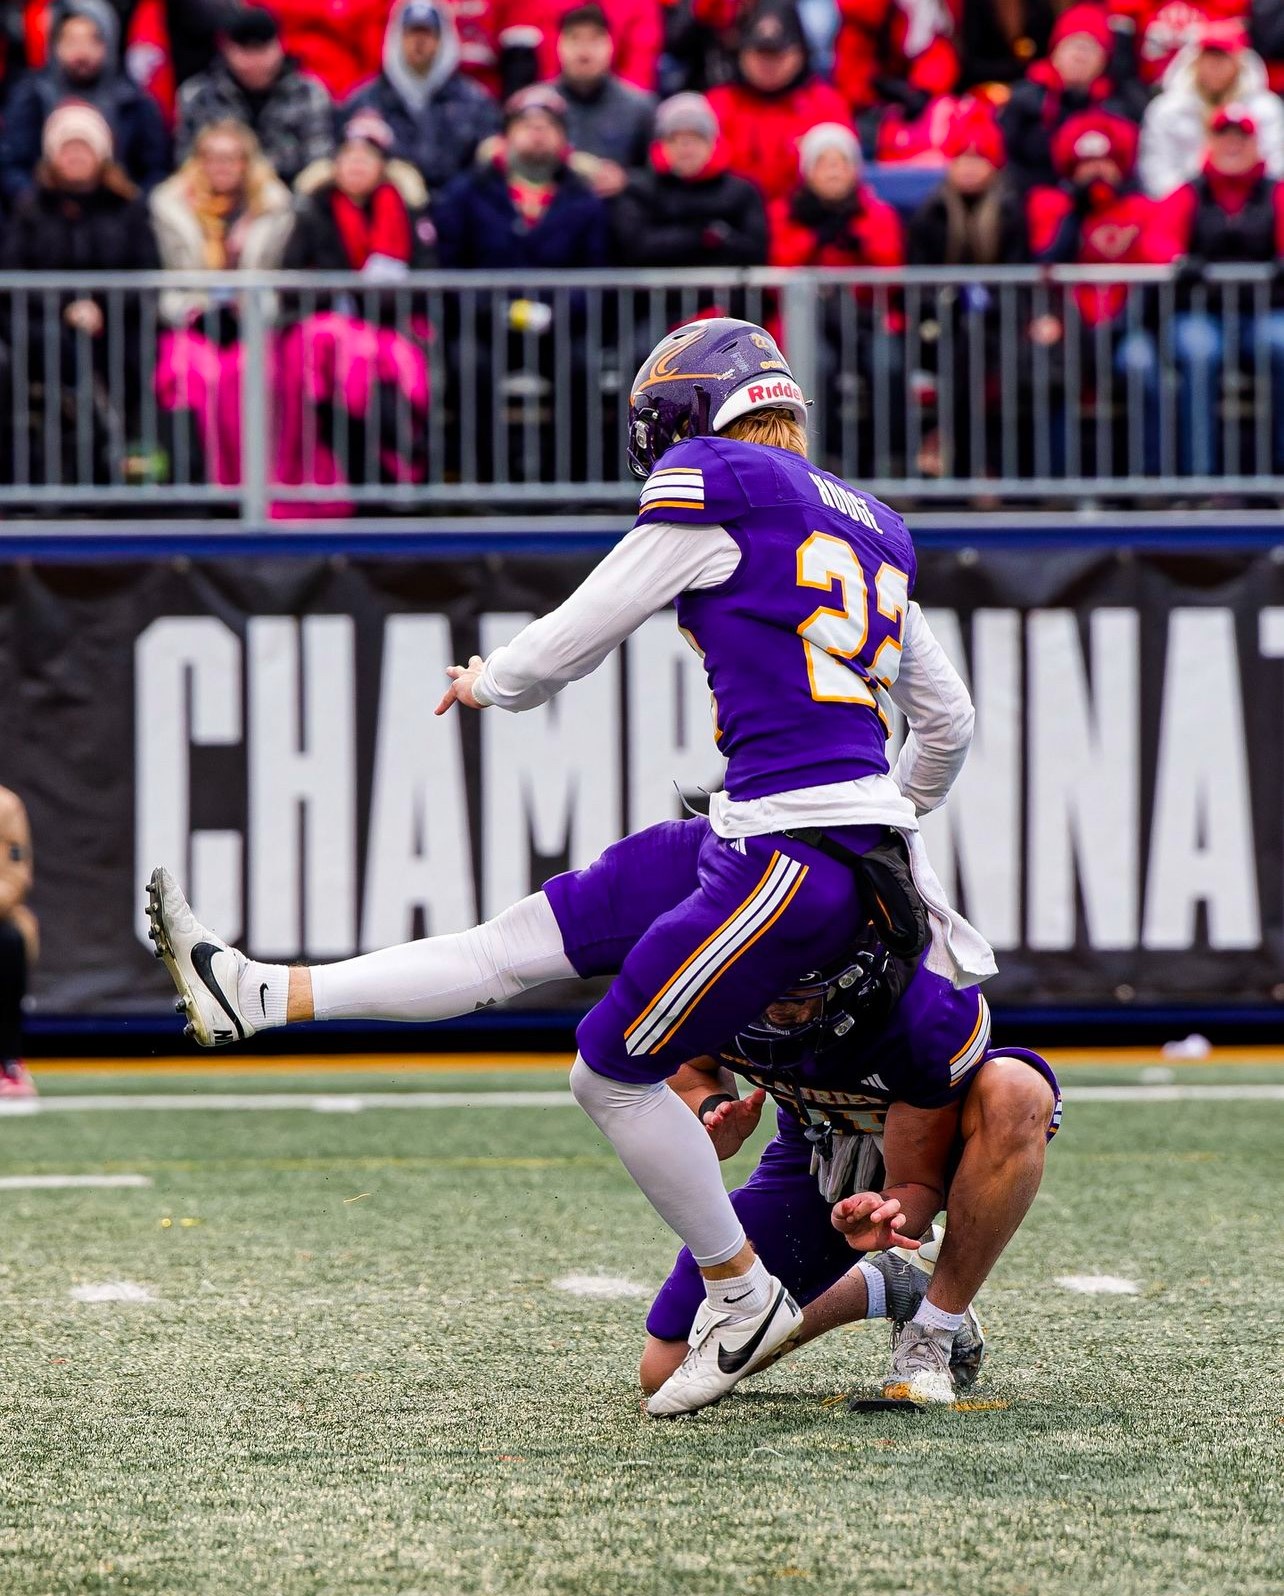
(523, 134)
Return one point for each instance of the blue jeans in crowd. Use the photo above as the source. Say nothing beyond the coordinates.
(1199, 344)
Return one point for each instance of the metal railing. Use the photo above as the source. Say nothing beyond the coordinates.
(275, 395)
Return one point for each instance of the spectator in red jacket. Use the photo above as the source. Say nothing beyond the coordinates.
(338, 41)
(1233, 212)
(833, 219)
(898, 50)
(1075, 78)
(773, 101)
(1098, 216)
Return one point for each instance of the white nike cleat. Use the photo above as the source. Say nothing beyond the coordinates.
(203, 967)
(723, 1351)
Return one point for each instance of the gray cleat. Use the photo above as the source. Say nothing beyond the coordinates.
(920, 1370)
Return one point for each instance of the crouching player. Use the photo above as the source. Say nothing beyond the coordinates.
(892, 1104)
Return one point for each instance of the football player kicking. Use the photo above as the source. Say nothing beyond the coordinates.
(796, 589)
(885, 1078)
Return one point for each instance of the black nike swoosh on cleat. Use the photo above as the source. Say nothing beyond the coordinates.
(263, 998)
(732, 1362)
(202, 956)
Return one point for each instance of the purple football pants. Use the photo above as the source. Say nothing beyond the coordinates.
(701, 935)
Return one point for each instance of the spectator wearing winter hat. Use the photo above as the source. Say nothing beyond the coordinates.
(438, 115)
(83, 216)
(162, 42)
(976, 218)
(1075, 78)
(608, 121)
(687, 208)
(525, 208)
(1097, 216)
(1232, 212)
(898, 51)
(84, 47)
(833, 219)
(774, 99)
(1218, 70)
(254, 82)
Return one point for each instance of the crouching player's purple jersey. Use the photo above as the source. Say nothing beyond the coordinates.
(925, 1054)
(800, 641)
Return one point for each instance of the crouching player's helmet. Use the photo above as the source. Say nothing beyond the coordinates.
(820, 1010)
(700, 378)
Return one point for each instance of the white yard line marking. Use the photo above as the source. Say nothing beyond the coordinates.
(334, 1103)
(604, 1287)
(111, 1291)
(252, 1102)
(1100, 1285)
(66, 1182)
(1247, 1093)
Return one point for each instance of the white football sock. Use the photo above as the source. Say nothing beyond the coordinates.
(262, 993)
(669, 1154)
(440, 977)
(875, 1290)
(934, 1318)
(742, 1296)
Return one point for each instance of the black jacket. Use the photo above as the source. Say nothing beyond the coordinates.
(107, 230)
(663, 220)
(442, 138)
(317, 245)
(928, 233)
(612, 121)
(138, 132)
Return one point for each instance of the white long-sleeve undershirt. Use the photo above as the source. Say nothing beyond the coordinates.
(645, 572)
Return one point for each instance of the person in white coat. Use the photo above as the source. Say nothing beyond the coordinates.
(1213, 72)
(224, 210)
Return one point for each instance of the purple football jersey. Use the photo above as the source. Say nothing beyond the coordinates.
(924, 1054)
(800, 642)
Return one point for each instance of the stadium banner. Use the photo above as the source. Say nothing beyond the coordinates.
(264, 724)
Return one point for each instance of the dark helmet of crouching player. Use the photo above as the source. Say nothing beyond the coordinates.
(817, 1015)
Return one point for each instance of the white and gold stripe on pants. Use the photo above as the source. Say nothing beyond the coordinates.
(716, 954)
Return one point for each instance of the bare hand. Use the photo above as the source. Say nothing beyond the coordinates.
(871, 1222)
(730, 1125)
(84, 315)
(609, 179)
(1045, 330)
(463, 678)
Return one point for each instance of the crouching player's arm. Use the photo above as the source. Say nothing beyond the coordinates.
(710, 1091)
(917, 1144)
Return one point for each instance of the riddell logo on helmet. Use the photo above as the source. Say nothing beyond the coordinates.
(761, 392)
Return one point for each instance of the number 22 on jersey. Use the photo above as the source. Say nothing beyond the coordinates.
(832, 636)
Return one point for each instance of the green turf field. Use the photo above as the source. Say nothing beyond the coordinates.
(356, 1372)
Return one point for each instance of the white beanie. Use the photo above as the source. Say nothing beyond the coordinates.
(827, 136)
(76, 120)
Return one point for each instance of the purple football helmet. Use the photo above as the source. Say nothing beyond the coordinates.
(701, 377)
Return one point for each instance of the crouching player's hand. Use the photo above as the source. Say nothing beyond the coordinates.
(730, 1125)
(871, 1222)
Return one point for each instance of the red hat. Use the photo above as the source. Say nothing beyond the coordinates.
(1085, 18)
(974, 131)
(1234, 116)
(1223, 33)
(1092, 135)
